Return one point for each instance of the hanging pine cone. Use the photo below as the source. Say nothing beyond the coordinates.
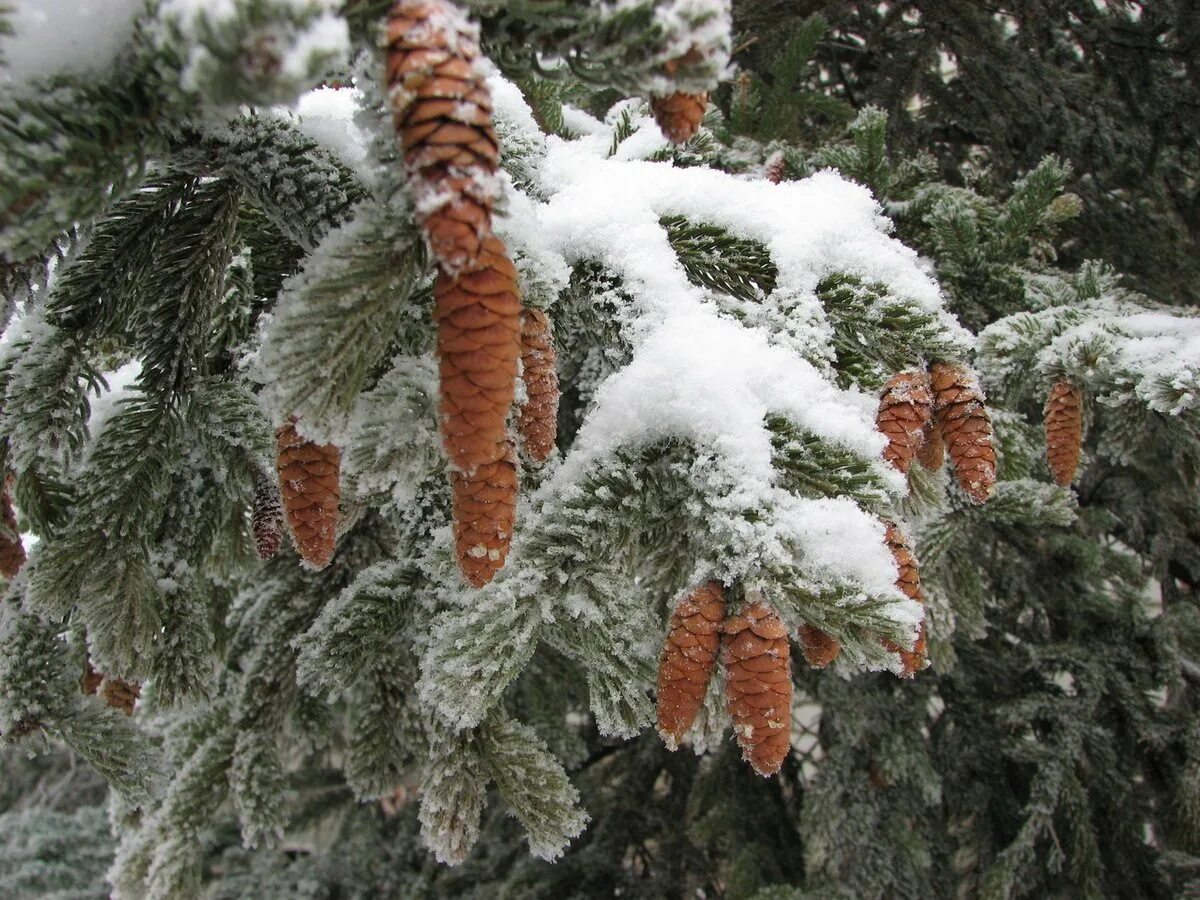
(12, 551)
(442, 112)
(89, 683)
(688, 657)
(309, 482)
(758, 685)
(905, 410)
(120, 694)
(932, 453)
(965, 427)
(820, 648)
(1064, 431)
(679, 115)
(908, 580)
(479, 341)
(485, 501)
(538, 424)
(267, 518)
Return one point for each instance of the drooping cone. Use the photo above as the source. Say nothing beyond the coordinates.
(688, 657)
(1064, 431)
(442, 113)
(908, 580)
(905, 410)
(758, 685)
(12, 551)
(679, 115)
(116, 692)
(966, 428)
(538, 424)
(485, 502)
(820, 648)
(267, 519)
(309, 482)
(932, 454)
(478, 315)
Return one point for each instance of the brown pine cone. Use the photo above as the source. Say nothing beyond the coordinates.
(679, 115)
(932, 453)
(90, 682)
(120, 694)
(1064, 431)
(442, 113)
(485, 503)
(538, 424)
(908, 580)
(12, 551)
(820, 648)
(758, 685)
(688, 657)
(267, 519)
(905, 410)
(775, 166)
(478, 315)
(966, 428)
(309, 484)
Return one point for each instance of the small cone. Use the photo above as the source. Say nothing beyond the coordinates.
(538, 424)
(775, 166)
(90, 682)
(966, 428)
(908, 580)
(485, 502)
(679, 115)
(116, 692)
(820, 648)
(932, 454)
(12, 551)
(442, 113)
(1064, 431)
(905, 410)
(267, 519)
(688, 657)
(758, 685)
(478, 315)
(309, 482)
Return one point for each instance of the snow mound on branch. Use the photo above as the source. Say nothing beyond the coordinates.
(63, 36)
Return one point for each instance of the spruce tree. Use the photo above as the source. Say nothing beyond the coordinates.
(409, 405)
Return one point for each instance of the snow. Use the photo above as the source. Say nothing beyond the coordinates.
(329, 116)
(120, 383)
(74, 37)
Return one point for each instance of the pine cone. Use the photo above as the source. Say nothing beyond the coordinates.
(758, 685)
(820, 648)
(309, 483)
(932, 454)
(90, 682)
(485, 501)
(479, 341)
(1064, 431)
(688, 657)
(267, 519)
(12, 552)
(538, 424)
(775, 166)
(679, 115)
(908, 580)
(966, 428)
(120, 694)
(442, 113)
(905, 409)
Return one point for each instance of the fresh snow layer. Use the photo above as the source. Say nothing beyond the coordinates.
(63, 36)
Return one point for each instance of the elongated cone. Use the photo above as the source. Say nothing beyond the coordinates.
(775, 166)
(478, 315)
(538, 424)
(908, 580)
(679, 115)
(309, 482)
(12, 551)
(442, 113)
(932, 454)
(966, 428)
(688, 658)
(1064, 431)
(116, 692)
(905, 410)
(267, 519)
(820, 648)
(758, 685)
(485, 502)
